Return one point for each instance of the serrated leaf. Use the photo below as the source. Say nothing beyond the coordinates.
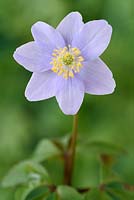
(45, 149)
(68, 193)
(37, 193)
(96, 194)
(86, 171)
(25, 172)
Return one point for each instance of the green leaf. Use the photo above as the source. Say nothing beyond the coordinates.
(117, 191)
(121, 195)
(125, 168)
(96, 194)
(108, 175)
(64, 140)
(25, 172)
(68, 193)
(37, 193)
(22, 192)
(6, 194)
(86, 171)
(45, 149)
(52, 196)
(55, 168)
(102, 147)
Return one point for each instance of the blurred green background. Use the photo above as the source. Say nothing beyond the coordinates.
(107, 118)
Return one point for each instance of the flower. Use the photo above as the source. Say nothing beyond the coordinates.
(65, 61)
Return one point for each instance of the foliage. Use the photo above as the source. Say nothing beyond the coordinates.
(94, 176)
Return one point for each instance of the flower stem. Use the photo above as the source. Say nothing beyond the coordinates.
(70, 153)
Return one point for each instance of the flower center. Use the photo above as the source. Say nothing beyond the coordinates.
(66, 61)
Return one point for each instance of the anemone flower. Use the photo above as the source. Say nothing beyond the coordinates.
(65, 61)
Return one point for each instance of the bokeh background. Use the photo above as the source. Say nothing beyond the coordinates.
(108, 118)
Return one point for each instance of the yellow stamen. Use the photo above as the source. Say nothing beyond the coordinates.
(66, 61)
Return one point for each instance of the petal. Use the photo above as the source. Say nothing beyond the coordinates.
(31, 57)
(48, 37)
(97, 77)
(70, 96)
(41, 86)
(70, 26)
(93, 39)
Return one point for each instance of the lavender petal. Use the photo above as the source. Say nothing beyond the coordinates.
(70, 26)
(93, 38)
(32, 58)
(70, 96)
(97, 77)
(41, 86)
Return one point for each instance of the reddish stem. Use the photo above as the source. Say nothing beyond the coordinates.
(70, 153)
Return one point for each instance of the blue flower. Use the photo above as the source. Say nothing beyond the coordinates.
(65, 61)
